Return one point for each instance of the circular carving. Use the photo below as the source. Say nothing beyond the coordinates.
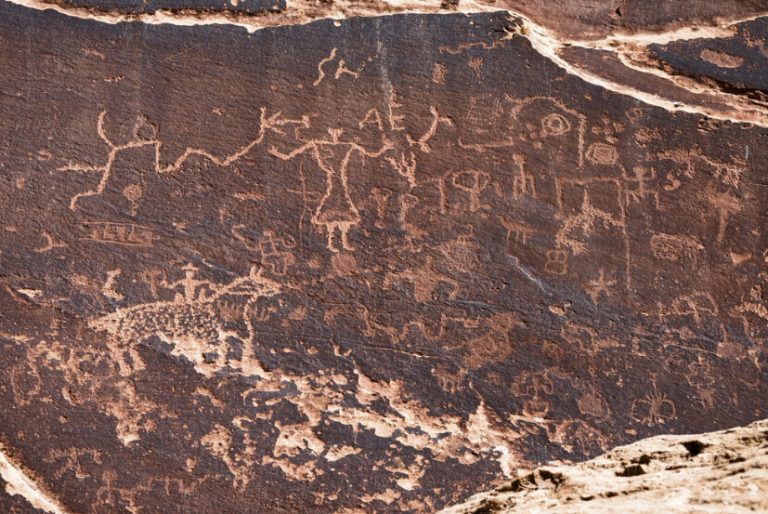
(555, 125)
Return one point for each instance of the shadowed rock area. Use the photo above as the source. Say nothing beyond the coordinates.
(714, 472)
(259, 263)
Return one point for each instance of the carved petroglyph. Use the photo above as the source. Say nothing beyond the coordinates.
(726, 205)
(372, 117)
(133, 193)
(320, 71)
(78, 461)
(699, 306)
(582, 223)
(153, 278)
(381, 198)
(586, 339)
(472, 183)
(405, 166)
(423, 141)
(476, 63)
(535, 387)
(425, 280)
(451, 382)
(142, 138)
(694, 161)
(557, 262)
(523, 183)
(753, 310)
(108, 288)
(639, 186)
(555, 125)
(337, 212)
(495, 345)
(461, 253)
(516, 233)
(439, 72)
(594, 405)
(675, 247)
(128, 234)
(276, 251)
(394, 114)
(341, 68)
(51, 243)
(238, 234)
(653, 409)
(600, 286)
(193, 323)
(601, 153)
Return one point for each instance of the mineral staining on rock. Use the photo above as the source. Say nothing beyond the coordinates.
(716, 472)
(332, 267)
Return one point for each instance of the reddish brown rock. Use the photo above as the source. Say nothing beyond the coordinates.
(334, 267)
(598, 18)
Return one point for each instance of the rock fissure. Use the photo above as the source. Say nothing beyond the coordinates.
(736, 107)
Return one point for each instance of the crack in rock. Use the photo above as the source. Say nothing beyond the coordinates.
(630, 49)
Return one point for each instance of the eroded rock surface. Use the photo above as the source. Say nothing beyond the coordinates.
(255, 264)
(582, 19)
(715, 472)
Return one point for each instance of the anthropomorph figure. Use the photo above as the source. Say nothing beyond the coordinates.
(337, 212)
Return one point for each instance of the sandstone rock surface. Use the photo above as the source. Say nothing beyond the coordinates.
(370, 256)
(716, 472)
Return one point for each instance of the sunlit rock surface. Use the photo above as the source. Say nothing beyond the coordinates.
(708, 473)
(369, 257)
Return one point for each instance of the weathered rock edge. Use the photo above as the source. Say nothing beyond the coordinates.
(725, 471)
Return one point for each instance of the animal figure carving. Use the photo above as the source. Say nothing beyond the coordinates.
(197, 324)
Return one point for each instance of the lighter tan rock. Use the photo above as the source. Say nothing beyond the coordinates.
(718, 472)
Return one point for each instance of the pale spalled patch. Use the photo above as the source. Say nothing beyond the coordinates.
(339, 452)
(407, 422)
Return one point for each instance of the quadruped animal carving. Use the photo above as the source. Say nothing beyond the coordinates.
(193, 322)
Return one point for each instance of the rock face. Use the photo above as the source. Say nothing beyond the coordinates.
(715, 472)
(254, 259)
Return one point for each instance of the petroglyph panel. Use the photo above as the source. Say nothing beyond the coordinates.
(334, 267)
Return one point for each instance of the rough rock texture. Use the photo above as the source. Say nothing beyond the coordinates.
(153, 6)
(580, 19)
(598, 18)
(716, 472)
(737, 64)
(259, 263)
